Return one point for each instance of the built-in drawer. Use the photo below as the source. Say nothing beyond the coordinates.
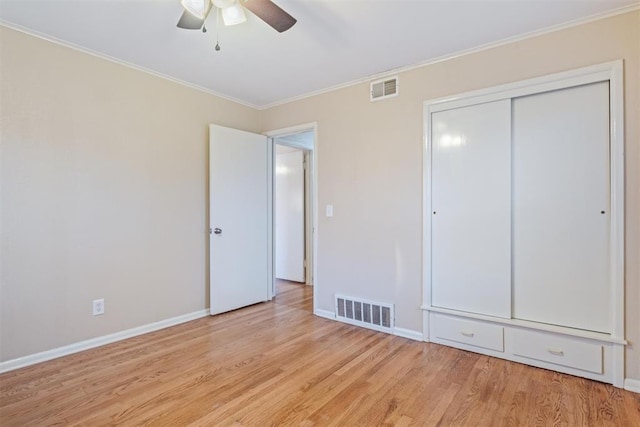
(466, 331)
(560, 350)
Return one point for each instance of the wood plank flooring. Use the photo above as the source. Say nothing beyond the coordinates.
(277, 364)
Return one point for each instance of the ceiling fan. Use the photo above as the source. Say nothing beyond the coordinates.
(196, 12)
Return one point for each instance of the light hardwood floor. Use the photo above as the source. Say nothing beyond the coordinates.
(277, 364)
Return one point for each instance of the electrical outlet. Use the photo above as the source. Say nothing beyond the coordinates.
(98, 307)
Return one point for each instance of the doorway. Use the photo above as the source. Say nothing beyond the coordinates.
(289, 213)
(293, 207)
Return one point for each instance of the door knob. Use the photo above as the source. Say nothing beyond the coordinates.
(217, 231)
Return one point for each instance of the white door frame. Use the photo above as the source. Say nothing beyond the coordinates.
(311, 277)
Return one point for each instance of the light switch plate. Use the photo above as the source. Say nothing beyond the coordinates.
(329, 210)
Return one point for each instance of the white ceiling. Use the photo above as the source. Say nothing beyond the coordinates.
(333, 43)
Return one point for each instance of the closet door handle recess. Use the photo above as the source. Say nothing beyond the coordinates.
(467, 334)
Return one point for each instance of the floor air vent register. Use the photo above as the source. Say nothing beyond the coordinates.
(369, 314)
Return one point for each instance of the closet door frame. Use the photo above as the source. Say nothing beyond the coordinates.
(611, 72)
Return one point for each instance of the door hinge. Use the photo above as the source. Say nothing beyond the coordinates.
(210, 230)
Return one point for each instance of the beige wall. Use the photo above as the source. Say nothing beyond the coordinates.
(104, 194)
(370, 168)
(103, 182)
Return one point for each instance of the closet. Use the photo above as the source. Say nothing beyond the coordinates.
(523, 222)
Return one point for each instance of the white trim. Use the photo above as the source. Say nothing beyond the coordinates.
(408, 333)
(617, 364)
(426, 221)
(115, 60)
(271, 241)
(616, 138)
(309, 258)
(632, 385)
(313, 152)
(326, 314)
(426, 335)
(77, 347)
(470, 51)
(576, 77)
(292, 130)
(363, 325)
(399, 332)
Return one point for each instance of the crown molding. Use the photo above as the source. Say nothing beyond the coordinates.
(486, 46)
(106, 57)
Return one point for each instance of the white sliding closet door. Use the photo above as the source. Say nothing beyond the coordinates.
(470, 218)
(561, 207)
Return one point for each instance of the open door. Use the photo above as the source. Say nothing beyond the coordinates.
(289, 213)
(239, 217)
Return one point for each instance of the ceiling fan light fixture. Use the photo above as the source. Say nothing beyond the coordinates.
(198, 8)
(233, 15)
(221, 4)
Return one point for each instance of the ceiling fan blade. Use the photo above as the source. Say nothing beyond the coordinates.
(270, 13)
(190, 22)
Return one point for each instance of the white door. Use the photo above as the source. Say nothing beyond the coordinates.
(561, 207)
(289, 197)
(470, 200)
(239, 219)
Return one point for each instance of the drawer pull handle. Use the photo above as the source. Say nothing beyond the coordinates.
(555, 352)
(467, 334)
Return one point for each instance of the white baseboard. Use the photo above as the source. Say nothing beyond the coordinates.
(408, 333)
(401, 332)
(632, 385)
(32, 359)
(325, 313)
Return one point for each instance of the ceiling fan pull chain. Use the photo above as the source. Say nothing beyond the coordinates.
(217, 28)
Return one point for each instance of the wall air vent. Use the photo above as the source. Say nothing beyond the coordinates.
(369, 314)
(384, 88)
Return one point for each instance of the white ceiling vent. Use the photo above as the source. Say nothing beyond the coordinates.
(384, 88)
